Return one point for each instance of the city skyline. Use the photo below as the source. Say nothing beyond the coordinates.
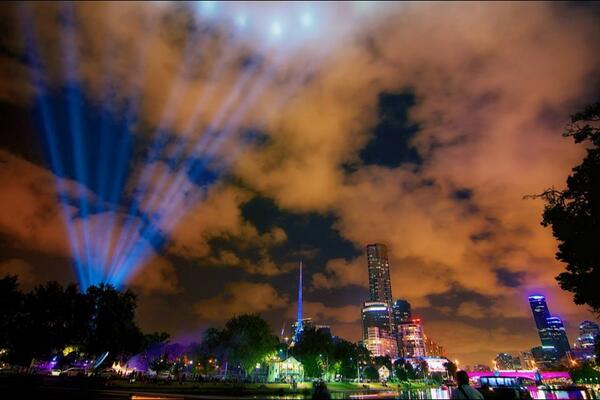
(197, 157)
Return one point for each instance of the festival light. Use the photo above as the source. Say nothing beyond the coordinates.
(113, 232)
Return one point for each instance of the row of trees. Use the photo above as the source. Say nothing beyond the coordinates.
(51, 317)
(248, 341)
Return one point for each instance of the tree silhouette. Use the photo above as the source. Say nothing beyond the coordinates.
(574, 214)
(249, 339)
(313, 347)
(112, 326)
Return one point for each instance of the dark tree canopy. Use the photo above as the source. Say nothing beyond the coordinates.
(313, 348)
(51, 317)
(112, 325)
(574, 214)
(246, 341)
(249, 339)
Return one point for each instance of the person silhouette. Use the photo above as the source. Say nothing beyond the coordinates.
(464, 391)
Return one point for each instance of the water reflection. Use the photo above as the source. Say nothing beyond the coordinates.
(438, 393)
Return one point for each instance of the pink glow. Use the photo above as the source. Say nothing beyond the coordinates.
(521, 374)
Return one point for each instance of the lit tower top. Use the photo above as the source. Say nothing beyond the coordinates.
(299, 326)
(380, 286)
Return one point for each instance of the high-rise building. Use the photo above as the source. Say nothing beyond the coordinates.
(558, 335)
(375, 314)
(550, 329)
(401, 312)
(412, 339)
(380, 343)
(527, 361)
(504, 361)
(432, 348)
(380, 286)
(545, 358)
(585, 344)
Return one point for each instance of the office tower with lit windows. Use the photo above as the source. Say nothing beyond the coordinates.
(550, 329)
(432, 348)
(558, 335)
(411, 339)
(504, 361)
(585, 345)
(380, 287)
(526, 360)
(380, 343)
(401, 312)
(375, 314)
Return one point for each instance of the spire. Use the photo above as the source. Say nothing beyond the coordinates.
(299, 327)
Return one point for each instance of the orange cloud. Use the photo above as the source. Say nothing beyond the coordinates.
(240, 297)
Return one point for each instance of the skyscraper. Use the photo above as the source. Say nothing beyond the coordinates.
(558, 335)
(504, 361)
(375, 314)
(585, 344)
(412, 339)
(380, 286)
(401, 312)
(540, 311)
(550, 329)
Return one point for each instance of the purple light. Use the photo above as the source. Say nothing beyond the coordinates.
(522, 374)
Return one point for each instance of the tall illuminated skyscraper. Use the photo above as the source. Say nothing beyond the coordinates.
(550, 329)
(380, 286)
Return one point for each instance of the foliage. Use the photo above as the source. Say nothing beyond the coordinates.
(586, 372)
(51, 317)
(312, 349)
(246, 340)
(112, 327)
(161, 364)
(404, 370)
(249, 339)
(346, 355)
(422, 369)
(370, 373)
(155, 338)
(574, 214)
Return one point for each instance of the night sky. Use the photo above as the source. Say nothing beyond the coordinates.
(324, 127)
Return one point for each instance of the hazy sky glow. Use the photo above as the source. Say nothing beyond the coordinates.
(225, 142)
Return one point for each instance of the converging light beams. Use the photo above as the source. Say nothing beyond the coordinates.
(48, 129)
(111, 235)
